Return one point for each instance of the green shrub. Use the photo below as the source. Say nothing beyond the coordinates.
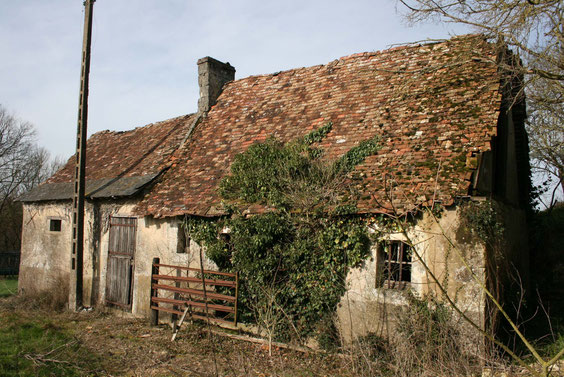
(303, 242)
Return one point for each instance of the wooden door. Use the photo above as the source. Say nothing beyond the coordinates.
(121, 257)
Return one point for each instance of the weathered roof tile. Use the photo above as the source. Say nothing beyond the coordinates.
(118, 163)
(410, 96)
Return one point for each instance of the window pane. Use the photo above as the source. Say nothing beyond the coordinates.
(55, 225)
(395, 250)
(396, 264)
(406, 256)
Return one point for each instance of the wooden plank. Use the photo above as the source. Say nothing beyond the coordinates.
(223, 283)
(203, 318)
(198, 270)
(179, 324)
(117, 304)
(236, 297)
(121, 250)
(223, 308)
(213, 319)
(195, 292)
(117, 253)
(154, 313)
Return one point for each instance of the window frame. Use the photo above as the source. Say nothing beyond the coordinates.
(55, 220)
(402, 258)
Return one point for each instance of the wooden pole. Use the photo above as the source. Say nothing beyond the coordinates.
(75, 292)
(154, 312)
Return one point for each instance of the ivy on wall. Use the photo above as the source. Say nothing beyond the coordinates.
(305, 239)
(484, 220)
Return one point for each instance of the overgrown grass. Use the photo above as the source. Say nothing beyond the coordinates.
(39, 347)
(8, 287)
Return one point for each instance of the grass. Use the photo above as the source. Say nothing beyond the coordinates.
(39, 342)
(8, 287)
(35, 344)
(39, 347)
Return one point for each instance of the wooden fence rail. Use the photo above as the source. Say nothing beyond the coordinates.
(176, 288)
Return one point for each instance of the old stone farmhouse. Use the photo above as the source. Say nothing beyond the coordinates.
(452, 130)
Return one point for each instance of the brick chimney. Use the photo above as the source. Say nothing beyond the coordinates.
(212, 75)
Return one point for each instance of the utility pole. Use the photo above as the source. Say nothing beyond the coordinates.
(75, 292)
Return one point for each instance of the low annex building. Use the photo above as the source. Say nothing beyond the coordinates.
(451, 124)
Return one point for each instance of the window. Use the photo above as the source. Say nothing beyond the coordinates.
(395, 267)
(183, 240)
(55, 225)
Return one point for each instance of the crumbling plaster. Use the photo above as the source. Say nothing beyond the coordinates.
(365, 308)
(45, 254)
(45, 260)
(368, 308)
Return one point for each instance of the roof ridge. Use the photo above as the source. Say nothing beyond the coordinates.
(334, 62)
(131, 130)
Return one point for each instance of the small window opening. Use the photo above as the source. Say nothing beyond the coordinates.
(225, 237)
(396, 265)
(55, 225)
(183, 240)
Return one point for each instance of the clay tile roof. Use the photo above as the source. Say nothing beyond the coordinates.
(118, 163)
(434, 106)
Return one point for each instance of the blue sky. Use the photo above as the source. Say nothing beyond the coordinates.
(144, 53)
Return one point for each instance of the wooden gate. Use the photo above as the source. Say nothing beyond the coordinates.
(121, 256)
(175, 289)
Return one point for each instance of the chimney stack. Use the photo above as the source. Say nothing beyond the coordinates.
(212, 75)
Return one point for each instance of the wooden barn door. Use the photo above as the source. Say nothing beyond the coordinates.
(121, 256)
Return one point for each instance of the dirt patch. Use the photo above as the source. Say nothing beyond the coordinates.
(131, 347)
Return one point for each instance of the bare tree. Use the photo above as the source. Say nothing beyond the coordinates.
(545, 127)
(533, 29)
(23, 165)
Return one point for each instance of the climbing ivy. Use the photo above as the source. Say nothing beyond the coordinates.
(306, 238)
(484, 220)
(357, 155)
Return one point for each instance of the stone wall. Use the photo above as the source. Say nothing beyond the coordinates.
(212, 75)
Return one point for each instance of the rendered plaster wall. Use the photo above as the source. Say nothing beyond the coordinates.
(366, 308)
(158, 238)
(45, 254)
(155, 238)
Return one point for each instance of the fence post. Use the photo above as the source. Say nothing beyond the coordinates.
(154, 312)
(176, 297)
(236, 296)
